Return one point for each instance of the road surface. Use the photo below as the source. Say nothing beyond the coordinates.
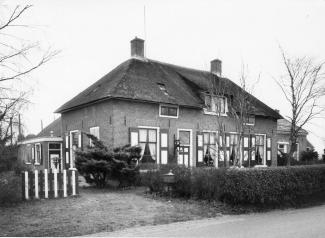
(306, 223)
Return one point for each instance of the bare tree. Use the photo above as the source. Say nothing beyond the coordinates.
(239, 109)
(303, 86)
(18, 58)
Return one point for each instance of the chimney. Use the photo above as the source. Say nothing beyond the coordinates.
(216, 67)
(137, 48)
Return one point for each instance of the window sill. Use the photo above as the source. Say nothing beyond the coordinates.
(28, 163)
(37, 164)
(214, 113)
(169, 116)
(249, 124)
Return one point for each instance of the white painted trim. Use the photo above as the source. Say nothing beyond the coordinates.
(35, 154)
(93, 134)
(206, 112)
(191, 164)
(168, 105)
(280, 142)
(41, 139)
(158, 140)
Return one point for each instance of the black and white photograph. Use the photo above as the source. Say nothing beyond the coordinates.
(139, 118)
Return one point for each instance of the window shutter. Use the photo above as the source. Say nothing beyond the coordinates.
(164, 146)
(227, 157)
(226, 105)
(41, 154)
(67, 150)
(245, 161)
(134, 136)
(33, 154)
(80, 140)
(268, 151)
(199, 149)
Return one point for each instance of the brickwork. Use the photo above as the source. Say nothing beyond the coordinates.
(115, 117)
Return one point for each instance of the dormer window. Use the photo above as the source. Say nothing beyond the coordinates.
(163, 88)
(166, 110)
(215, 105)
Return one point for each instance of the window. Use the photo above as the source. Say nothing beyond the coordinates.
(148, 143)
(250, 120)
(209, 147)
(259, 145)
(233, 147)
(284, 148)
(168, 111)
(184, 137)
(38, 153)
(215, 104)
(95, 132)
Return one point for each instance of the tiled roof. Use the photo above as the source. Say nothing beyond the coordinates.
(284, 126)
(141, 79)
(55, 126)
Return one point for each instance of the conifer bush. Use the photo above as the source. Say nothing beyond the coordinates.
(99, 164)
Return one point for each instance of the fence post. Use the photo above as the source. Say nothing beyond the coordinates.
(36, 184)
(65, 183)
(73, 182)
(55, 173)
(46, 184)
(26, 186)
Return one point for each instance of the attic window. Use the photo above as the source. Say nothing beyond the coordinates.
(163, 88)
(215, 104)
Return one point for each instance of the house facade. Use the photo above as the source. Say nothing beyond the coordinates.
(169, 109)
(283, 139)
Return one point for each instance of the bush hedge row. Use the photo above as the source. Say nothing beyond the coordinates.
(242, 186)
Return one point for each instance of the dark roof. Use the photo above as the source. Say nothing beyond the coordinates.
(283, 126)
(54, 126)
(141, 79)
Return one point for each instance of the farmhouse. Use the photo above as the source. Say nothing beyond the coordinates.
(169, 110)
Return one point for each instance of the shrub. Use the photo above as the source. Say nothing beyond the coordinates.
(310, 155)
(10, 187)
(244, 186)
(98, 163)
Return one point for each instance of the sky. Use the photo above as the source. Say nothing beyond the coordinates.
(93, 37)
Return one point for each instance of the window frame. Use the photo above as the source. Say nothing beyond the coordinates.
(168, 105)
(249, 123)
(35, 154)
(90, 128)
(208, 111)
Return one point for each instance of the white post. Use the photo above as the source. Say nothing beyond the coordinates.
(46, 184)
(26, 185)
(36, 184)
(73, 182)
(65, 183)
(55, 172)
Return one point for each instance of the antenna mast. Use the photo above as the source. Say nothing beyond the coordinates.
(145, 31)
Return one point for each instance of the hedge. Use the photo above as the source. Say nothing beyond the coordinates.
(243, 186)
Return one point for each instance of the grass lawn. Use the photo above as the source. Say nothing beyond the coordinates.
(97, 211)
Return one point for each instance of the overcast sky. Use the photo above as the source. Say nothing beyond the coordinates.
(94, 37)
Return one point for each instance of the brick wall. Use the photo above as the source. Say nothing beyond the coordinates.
(115, 117)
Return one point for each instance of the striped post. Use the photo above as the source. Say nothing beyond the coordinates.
(46, 184)
(55, 173)
(65, 193)
(36, 184)
(73, 183)
(26, 186)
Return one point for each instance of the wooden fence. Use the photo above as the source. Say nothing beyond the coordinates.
(49, 184)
